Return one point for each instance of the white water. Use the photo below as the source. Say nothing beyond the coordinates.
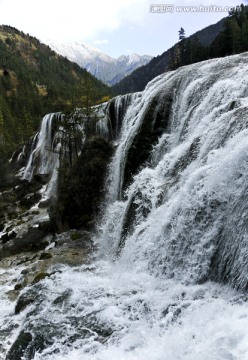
(46, 147)
(44, 158)
(165, 288)
(150, 318)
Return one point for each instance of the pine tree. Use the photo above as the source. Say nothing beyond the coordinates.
(181, 33)
(233, 35)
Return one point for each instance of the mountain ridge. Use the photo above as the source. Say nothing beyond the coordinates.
(140, 77)
(104, 67)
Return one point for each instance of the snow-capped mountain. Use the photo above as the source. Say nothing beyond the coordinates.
(99, 64)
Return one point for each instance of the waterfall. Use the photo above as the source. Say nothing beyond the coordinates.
(110, 116)
(46, 149)
(44, 157)
(169, 280)
(177, 217)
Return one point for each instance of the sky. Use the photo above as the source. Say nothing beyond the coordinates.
(115, 27)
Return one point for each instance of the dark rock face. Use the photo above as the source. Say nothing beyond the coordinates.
(8, 236)
(24, 300)
(26, 187)
(26, 345)
(16, 195)
(154, 124)
(30, 200)
(19, 348)
(80, 193)
(7, 175)
(33, 240)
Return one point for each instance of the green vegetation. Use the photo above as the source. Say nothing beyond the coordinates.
(234, 38)
(34, 80)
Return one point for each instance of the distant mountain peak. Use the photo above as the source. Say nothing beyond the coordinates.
(99, 64)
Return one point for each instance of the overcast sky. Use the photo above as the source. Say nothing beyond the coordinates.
(114, 26)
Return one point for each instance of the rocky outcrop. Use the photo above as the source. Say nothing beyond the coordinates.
(81, 189)
(16, 200)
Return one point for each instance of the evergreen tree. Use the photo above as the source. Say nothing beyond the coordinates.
(181, 34)
(233, 37)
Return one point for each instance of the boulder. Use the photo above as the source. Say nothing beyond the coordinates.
(33, 240)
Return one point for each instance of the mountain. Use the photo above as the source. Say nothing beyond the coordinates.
(102, 66)
(35, 80)
(137, 80)
(163, 273)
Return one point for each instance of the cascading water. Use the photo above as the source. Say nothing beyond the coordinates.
(47, 150)
(171, 275)
(110, 116)
(44, 157)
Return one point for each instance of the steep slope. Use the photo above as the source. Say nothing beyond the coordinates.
(102, 66)
(35, 80)
(158, 65)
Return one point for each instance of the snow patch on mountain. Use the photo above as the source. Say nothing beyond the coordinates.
(99, 64)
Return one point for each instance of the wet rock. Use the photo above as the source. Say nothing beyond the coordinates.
(18, 286)
(5, 238)
(12, 235)
(11, 211)
(33, 294)
(76, 236)
(40, 276)
(24, 271)
(18, 349)
(8, 236)
(45, 226)
(33, 240)
(63, 297)
(27, 187)
(25, 259)
(44, 204)
(23, 302)
(30, 200)
(22, 189)
(41, 178)
(9, 197)
(45, 256)
(26, 345)
(13, 294)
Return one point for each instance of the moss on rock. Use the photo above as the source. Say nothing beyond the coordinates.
(40, 276)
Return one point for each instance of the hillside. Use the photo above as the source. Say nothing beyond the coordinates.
(158, 65)
(34, 81)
